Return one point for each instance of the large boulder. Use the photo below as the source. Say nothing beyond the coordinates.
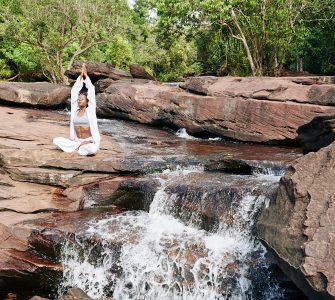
(238, 114)
(299, 224)
(96, 71)
(314, 90)
(38, 94)
(138, 72)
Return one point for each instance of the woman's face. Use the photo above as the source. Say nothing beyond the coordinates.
(82, 101)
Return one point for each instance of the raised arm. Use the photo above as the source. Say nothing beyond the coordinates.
(90, 89)
(76, 89)
(90, 92)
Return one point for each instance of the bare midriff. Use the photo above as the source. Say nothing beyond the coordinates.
(83, 132)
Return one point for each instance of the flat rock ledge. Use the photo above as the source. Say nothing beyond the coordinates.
(263, 110)
(38, 94)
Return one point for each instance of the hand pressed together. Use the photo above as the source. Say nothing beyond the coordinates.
(83, 71)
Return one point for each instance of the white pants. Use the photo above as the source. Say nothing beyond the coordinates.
(70, 146)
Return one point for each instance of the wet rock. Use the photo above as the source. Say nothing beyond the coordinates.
(96, 71)
(36, 265)
(127, 192)
(165, 148)
(318, 133)
(240, 112)
(38, 94)
(48, 234)
(17, 262)
(75, 294)
(299, 224)
(206, 199)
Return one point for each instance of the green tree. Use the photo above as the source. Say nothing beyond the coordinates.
(119, 52)
(315, 51)
(63, 30)
(265, 29)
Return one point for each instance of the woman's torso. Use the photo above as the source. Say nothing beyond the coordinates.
(82, 125)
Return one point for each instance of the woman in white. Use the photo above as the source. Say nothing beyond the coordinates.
(84, 132)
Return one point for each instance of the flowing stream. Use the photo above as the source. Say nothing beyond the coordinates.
(165, 253)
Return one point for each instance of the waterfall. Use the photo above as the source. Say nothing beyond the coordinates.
(156, 255)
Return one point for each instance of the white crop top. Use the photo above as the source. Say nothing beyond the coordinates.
(81, 121)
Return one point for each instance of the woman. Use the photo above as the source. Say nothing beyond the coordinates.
(84, 132)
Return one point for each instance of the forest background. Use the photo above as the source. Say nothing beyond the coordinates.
(40, 39)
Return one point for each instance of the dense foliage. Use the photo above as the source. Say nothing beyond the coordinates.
(40, 39)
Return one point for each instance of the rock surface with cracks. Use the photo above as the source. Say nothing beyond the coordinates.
(299, 224)
(266, 110)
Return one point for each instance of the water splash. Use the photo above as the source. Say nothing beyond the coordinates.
(182, 170)
(152, 255)
(267, 168)
(182, 133)
(216, 139)
(84, 269)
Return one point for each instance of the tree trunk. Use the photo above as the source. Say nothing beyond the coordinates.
(245, 44)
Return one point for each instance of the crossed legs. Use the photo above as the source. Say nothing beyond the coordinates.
(70, 146)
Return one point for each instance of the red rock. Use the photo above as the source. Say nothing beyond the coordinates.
(300, 225)
(284, 89)
(15, 261)
(39, 94)
(138, 72)
(97, 70)
(103, 84)
(233, 114)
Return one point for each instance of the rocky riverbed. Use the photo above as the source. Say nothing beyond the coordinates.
(49, 197)
(202, 192)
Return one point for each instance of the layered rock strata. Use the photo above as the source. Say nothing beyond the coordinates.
(299, 224)
(267, 110)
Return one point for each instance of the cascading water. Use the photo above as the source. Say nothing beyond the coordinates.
(154, 255)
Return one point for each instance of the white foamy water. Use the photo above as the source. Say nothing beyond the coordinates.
(215, 139)
(180, 170)
(152, 255)
(267, 168)
(182, 133)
